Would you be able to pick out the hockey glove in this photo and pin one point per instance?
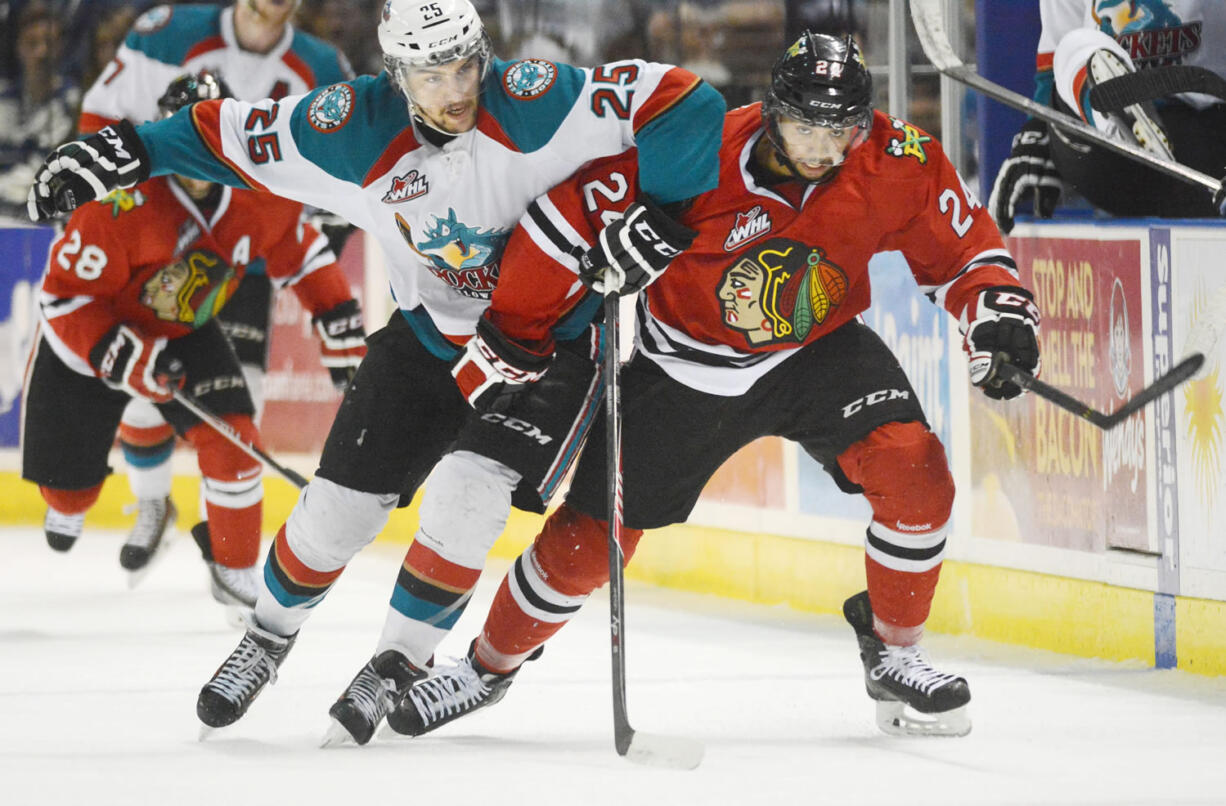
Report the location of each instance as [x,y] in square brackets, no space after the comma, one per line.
[88,169]
[633,250]
[492,370]
[1029,171]
[1002,319]
[127,361]
[342,341]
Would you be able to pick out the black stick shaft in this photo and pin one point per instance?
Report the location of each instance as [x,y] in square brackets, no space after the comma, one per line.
[226,430]
[1178,374]
[623,734]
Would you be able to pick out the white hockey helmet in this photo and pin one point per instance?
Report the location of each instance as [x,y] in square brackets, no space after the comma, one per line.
[425,33]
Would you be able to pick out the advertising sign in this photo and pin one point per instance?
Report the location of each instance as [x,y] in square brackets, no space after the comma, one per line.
[1043,475]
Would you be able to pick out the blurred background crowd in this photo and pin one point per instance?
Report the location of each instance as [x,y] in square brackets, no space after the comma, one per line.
[52,50]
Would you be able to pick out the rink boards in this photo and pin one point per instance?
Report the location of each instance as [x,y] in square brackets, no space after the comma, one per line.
[1063,537]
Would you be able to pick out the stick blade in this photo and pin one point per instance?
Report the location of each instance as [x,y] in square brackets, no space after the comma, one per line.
[665,752]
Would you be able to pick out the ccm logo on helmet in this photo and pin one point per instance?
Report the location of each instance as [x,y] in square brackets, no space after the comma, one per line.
[442,42]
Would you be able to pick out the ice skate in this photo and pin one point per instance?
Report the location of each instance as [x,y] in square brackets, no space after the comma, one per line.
[1141,119]
[236,588]
[62,530]
[449,694]
[239,680]
[358,711]
[146,542]
[913,699]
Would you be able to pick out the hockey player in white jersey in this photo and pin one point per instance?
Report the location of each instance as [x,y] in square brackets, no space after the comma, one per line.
[440,183]
[1149,72]
[259,54]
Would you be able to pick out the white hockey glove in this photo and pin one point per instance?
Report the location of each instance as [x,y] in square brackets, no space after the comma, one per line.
[88,169]
[1029,171]
[492,370]
[1002,319]
[127,361]
[342,341]
[634,250]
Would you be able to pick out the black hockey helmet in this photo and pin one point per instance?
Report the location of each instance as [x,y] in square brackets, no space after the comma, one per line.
[821,80]
[189,88]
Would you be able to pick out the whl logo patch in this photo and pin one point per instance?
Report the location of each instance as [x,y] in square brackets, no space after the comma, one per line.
[755,223]
[404,188]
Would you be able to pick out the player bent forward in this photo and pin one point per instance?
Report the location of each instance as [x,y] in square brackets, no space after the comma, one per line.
[128,310]
[752,332]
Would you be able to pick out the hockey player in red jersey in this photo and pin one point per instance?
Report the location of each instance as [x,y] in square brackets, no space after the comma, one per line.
[253,47]
[752,332]
[129,304]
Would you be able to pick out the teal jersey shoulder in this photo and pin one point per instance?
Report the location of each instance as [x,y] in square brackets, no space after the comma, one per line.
[679,148]
[530,98]
[344,128]
[168,33]
[324,61]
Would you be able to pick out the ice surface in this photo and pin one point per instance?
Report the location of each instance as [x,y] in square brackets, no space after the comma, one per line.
[98,687]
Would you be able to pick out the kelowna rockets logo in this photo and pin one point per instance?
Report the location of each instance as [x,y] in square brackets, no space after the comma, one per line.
[463,257]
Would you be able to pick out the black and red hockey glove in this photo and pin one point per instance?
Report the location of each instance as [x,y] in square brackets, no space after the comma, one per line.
[1002,319]
[342,341]
[492,370]
[127,361]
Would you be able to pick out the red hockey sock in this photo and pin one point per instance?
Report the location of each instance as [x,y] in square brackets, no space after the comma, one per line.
[906,479]
[547,585]
[233,493]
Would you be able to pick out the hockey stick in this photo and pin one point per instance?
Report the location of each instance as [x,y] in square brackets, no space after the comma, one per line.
[1178,374]
[1137,87]
[930,25]
[226,430]
[642,748]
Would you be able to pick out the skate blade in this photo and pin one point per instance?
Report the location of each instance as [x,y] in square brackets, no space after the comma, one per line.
[337,736]
[897,719]
[206,732]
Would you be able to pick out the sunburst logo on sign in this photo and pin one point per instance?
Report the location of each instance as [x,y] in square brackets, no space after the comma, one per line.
[1205,415]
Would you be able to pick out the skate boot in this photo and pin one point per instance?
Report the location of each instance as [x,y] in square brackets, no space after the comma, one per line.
[62,530]
[240,679]
[913,699]
[1140,119]
[153,517]
[357,713]
[449,694]
[233,587]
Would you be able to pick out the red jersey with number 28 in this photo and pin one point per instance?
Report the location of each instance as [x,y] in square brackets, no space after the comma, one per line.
[150,258]
[773,267]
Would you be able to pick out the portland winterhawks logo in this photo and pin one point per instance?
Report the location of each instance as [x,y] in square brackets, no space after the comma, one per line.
[331,108]
[530,78]
[780,292]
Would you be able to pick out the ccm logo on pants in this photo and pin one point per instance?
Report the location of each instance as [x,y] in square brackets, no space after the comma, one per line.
[523,426]
[873,399]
